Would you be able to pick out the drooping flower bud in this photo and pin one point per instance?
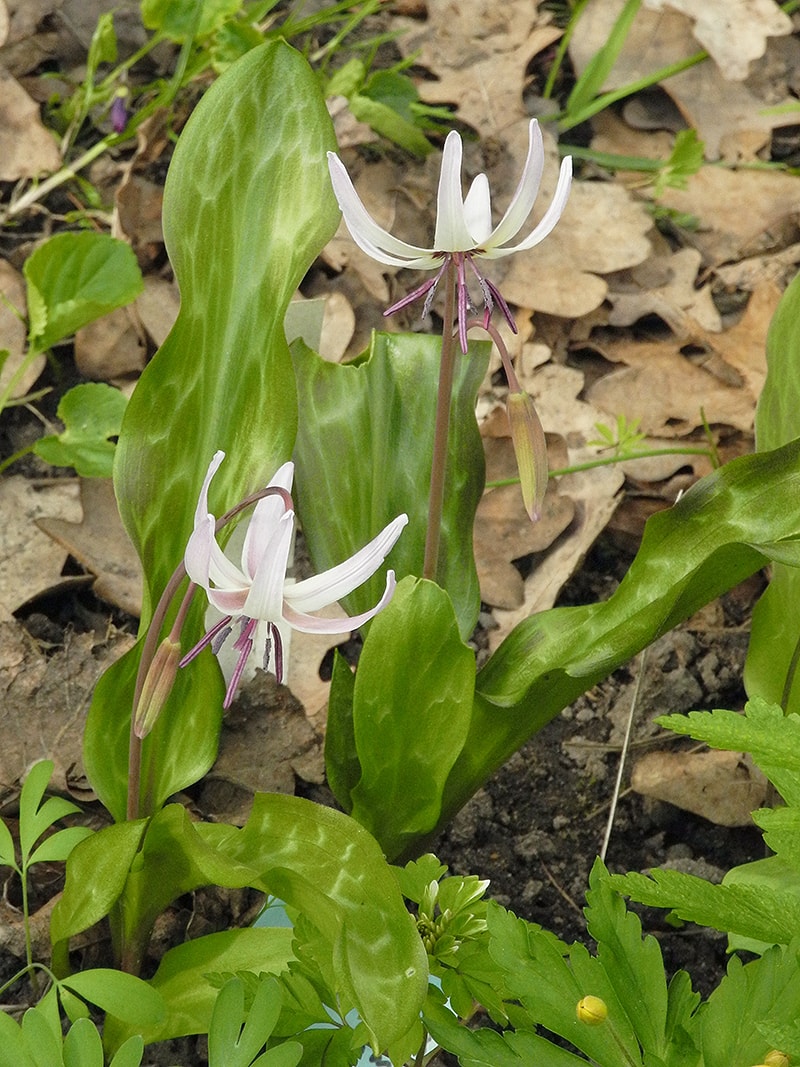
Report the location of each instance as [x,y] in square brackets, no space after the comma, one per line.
[157,686]
[530,448]
[119,111]
[592,1011]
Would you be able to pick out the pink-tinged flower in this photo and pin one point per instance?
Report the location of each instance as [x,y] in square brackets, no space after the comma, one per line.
[256,597]
[464,230]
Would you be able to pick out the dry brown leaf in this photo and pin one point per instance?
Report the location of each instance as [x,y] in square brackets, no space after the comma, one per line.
[44,700]
[730,117]
[158,307]
[110,347]
[27,149]
[743,346]
[100,544]
[30,564]
[733,32]
[723,787]
[138,204]
[5,23]
[742,213]
[479,52]
[665,391]
[560,276]
[664,285]
[338,327]
[749,273]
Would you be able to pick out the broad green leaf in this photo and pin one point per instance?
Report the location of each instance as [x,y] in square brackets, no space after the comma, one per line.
[412,706]
[97,870]
[82,1045]
[713,538]
[329,868]
[91,413]
[178,19]
[73,279]
[116,993]
[247,207]
[376,417]
[776,619]
[181,980]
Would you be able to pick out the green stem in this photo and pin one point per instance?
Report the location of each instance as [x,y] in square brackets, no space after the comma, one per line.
[605,461]
[441,430]
[16,455]
[563,44]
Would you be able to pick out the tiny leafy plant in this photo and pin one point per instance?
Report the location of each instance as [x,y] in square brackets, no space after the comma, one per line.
[381,462]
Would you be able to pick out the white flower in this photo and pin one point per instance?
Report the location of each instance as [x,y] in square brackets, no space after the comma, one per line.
[464,230]
[257,596]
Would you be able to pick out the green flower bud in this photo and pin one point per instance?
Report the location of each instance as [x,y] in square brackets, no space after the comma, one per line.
[157,686]
[592,1011]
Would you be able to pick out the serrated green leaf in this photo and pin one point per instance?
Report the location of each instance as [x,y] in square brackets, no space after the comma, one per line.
[772,738]
[417,875]
[746,910]
[378,419]
[766,990]
[247,207]
[411,713]
[91,413]
[75,278]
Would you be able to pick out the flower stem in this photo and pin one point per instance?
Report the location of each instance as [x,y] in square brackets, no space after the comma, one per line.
[441,431]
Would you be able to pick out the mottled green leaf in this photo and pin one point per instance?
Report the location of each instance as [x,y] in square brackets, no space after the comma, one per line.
[247,207]
[376,417]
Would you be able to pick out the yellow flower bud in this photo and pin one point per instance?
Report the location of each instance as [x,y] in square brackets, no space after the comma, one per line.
[776,1059]
[592,1011]
[530,448]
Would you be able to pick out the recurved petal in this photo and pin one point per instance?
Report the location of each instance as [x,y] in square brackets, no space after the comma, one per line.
[205,561]
[451,234]
[526,192]
[312,624]
[367,234]
[201,511]
[314,593]
[264,520]
[265,599]
[548,220]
